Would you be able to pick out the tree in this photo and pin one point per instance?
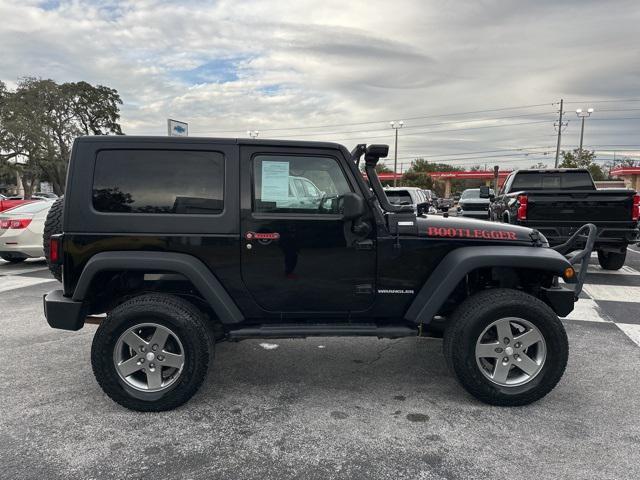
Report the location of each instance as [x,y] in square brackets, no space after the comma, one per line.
[586,160]
[418,176]
[539,165]
[40,119]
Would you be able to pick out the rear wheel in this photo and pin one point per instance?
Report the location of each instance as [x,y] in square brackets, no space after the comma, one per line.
[53,226]
[152,352]
[12,258]
[506,347]
[612,260]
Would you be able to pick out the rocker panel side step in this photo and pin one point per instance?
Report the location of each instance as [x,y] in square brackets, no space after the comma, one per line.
[322,330]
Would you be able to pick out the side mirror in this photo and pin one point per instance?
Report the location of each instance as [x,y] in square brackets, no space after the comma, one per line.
[352,206]
[485,192]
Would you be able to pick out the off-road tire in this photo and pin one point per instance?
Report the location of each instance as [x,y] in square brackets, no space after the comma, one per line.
[53,226]
[612,260]
[474,315]
[13,258]
[181,317]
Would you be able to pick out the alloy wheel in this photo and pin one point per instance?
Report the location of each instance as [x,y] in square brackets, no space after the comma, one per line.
[510,352]
[149,357]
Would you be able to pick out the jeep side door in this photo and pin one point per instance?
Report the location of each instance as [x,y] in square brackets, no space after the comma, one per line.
[296,257]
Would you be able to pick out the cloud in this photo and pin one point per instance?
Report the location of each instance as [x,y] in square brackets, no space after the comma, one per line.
[238,65]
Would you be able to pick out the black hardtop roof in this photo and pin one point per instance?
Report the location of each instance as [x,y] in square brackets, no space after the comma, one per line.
[215,140]
[551,170]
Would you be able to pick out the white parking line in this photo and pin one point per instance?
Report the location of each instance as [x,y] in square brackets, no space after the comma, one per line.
[626,270]
[11,283]
[632,331]
[16,271]
[587,310]
[613,293]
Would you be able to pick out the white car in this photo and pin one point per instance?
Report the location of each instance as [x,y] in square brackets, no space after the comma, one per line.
[413,196]
[21,231]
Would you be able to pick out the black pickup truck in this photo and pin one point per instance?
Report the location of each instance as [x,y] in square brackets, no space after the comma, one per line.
[557,202]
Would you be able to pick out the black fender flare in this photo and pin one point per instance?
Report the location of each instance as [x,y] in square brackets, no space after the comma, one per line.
[458,263]
[187,265]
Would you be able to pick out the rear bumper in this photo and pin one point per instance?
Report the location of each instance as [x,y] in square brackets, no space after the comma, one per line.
[62,312]
[613,236]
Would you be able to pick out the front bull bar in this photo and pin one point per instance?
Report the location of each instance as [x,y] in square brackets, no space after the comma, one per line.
[568,249]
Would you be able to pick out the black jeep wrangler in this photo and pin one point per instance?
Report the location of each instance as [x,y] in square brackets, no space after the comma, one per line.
[186,242]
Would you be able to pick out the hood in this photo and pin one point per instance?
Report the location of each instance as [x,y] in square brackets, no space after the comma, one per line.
[476,230]
[474,201]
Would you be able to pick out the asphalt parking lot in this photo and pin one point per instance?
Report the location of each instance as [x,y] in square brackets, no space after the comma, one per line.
[322,408]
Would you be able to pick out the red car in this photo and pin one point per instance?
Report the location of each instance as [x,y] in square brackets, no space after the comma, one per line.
[6,204]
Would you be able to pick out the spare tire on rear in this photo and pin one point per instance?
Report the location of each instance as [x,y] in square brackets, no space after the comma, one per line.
[53,226]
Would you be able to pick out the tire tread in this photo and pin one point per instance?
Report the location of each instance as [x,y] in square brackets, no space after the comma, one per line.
[190,320]
[463,320]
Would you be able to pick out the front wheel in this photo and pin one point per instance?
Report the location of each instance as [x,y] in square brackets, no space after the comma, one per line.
[152,352]
[612,260]
[506,347]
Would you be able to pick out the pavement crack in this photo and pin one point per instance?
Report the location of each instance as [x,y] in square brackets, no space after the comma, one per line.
[380,352]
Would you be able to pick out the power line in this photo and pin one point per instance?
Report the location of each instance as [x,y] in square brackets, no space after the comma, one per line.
[607,101]
[449,130]
[440,155]
[488,119]
[382,121]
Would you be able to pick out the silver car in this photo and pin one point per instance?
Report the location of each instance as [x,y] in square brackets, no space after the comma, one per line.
[471,205]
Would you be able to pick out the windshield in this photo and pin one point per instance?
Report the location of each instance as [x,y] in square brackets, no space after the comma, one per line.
[573,180]
[399,197]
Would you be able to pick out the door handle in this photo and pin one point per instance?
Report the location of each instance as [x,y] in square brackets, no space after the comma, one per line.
[262,236]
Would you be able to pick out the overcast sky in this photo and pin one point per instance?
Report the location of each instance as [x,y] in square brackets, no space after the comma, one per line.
[349,67]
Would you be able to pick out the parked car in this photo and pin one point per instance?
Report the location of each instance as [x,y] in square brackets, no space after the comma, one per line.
[412,196]
[472,205]
[7,202]
[557,202]
[207,212]
[430,196]
[444,204]
[21,231]
[44,195]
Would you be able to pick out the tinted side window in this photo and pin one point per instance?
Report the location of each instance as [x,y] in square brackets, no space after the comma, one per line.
[159,181]
[297,184]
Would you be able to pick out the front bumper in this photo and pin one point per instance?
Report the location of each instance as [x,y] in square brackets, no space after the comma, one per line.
[483,214]
[62,312]
[570,249]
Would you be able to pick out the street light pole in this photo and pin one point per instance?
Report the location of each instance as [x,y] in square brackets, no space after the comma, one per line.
[396,126]
[582,114]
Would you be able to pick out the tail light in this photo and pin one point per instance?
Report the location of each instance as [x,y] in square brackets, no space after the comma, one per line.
[16,223]
[635,210]
[4,224]
[522,209]
[55,247]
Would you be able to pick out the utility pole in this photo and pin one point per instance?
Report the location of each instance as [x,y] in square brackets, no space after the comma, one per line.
[559,132]
[396,126]
[582,114]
